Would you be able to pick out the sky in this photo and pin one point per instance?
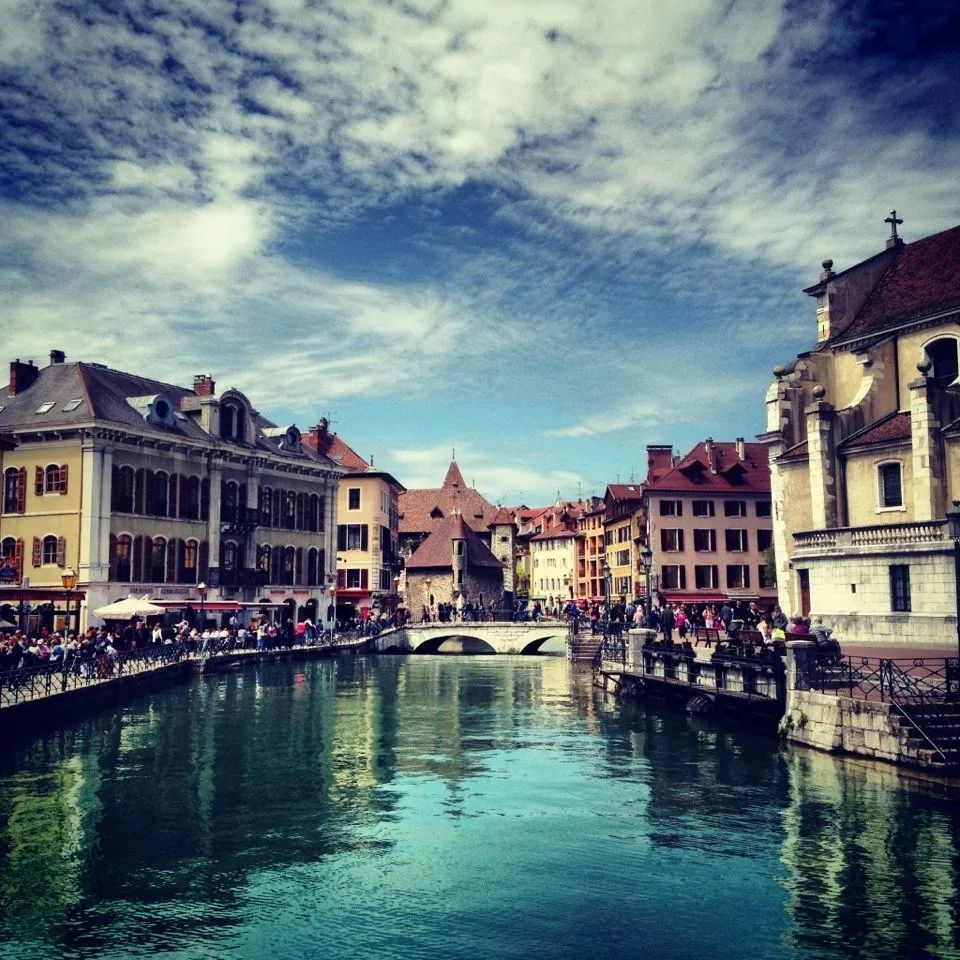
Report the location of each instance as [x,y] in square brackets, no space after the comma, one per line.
[542,235]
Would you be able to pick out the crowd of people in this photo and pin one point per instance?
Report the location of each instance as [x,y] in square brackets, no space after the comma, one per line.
[680,622]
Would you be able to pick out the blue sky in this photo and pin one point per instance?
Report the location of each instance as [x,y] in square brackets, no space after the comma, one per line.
[545,234]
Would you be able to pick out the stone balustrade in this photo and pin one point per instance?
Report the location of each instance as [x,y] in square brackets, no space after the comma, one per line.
[841,538]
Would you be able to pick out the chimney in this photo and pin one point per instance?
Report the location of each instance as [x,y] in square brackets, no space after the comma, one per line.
[321,435]
[741,449]
[22,376]
[57,356]
[204,385]
[659,460]
[708,449]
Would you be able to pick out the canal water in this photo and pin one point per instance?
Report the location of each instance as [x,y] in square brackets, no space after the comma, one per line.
[457,807]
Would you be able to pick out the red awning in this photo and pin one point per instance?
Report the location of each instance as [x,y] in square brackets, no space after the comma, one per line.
[694,598]
[195,602]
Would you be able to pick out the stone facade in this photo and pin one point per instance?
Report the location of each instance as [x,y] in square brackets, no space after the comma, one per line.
[863,434]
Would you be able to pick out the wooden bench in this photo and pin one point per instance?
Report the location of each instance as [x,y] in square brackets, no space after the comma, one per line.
[708,635]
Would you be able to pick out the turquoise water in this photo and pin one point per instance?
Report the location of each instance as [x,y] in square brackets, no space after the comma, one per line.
[450,807]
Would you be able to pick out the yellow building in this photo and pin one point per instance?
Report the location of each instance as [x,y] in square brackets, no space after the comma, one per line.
[368,560]
[864,438]
[624,521]
[150,488]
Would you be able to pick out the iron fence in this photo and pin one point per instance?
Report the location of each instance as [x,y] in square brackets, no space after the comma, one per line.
[42,680]
[890,680]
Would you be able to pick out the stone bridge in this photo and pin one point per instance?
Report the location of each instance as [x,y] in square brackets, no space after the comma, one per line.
[495,637]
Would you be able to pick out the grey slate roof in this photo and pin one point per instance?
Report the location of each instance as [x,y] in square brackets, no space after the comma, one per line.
[105,396]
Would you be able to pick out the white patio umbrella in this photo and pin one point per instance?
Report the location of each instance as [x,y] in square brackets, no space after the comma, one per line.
[125,609]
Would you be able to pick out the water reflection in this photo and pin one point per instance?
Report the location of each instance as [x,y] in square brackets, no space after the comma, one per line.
[345,807]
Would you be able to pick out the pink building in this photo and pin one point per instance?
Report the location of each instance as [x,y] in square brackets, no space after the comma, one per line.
[709,522]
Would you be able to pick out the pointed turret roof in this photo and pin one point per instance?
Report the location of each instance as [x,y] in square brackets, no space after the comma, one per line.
[436,551]
[454,477]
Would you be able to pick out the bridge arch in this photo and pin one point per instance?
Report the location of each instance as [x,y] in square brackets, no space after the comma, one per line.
[454,643]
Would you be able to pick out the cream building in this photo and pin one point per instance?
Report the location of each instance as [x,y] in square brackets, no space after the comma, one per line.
[368,560]
[864,439]
[624,526]
[146,487]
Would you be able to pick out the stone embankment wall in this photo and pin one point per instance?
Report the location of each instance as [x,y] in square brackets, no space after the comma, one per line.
[840,724]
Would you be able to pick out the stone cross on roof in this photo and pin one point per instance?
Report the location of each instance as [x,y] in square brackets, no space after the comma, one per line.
[894,221]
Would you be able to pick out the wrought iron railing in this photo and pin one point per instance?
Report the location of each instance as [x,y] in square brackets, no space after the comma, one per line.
[42,680]
[921,690]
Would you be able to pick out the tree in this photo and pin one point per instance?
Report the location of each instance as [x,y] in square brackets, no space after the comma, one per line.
[770,558]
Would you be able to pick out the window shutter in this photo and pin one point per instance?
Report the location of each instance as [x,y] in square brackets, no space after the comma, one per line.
[363,537]
[61,551]
[172,553]
[22,490]
[341,579]
[38,481]
[37,551]
[298,567]
[63,478]
[113,556]
[341,536]
[683,576]
[18,559]
[364,583]
[746,575]
[680,540]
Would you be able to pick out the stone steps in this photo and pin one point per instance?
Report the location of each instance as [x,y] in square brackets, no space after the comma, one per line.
[584,646]
[941,724]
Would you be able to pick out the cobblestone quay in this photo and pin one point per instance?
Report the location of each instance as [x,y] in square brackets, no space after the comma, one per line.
[457,807]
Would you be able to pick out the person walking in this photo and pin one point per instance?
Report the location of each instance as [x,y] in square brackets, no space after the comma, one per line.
[667,623]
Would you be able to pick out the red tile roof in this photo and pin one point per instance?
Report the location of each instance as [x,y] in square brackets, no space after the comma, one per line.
[888,430]
[560,532]
[416,506]
[923,279]
[503,516]
[436,552]
[733,475]
[625,491]
[338,451]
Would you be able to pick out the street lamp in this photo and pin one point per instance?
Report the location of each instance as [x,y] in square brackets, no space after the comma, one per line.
[646,554]
[953,529]
[202,590]
[69,580]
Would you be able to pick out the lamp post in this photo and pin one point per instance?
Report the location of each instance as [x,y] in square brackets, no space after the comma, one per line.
[69,580]
[202,591]
[646,554]
[953,529]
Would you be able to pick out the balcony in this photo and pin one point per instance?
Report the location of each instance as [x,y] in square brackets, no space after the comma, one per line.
[842,539]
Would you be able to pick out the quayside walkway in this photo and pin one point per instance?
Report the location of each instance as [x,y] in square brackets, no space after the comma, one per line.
[29,694]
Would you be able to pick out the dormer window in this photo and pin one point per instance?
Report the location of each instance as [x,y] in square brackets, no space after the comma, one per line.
[436,513]
[232,421]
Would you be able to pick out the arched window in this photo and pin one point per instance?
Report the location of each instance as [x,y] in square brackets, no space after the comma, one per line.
[263,560]
[942,354]
[121,498]
[313,556]
[276,565]
[277,508]
[11,556]
[228,556]
[158,560]
[301,511]
[121,558]
[173,560]
[55,478]
[290,510]
[49,550]
[161,493]
[266,507]
[229,500]
[232,421]
[289,566]
[14,489]
[313,513]
[190,561]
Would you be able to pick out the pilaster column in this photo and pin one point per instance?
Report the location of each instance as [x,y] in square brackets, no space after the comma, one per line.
[215,475]
[822,463]
[97,480]
[928,474]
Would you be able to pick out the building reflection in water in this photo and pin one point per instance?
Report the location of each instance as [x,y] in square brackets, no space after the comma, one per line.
[200,797]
